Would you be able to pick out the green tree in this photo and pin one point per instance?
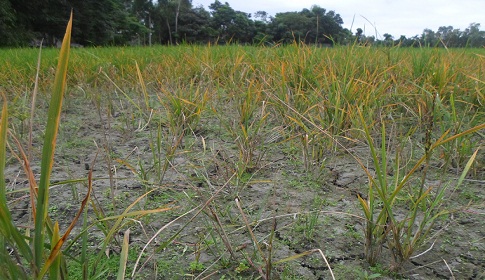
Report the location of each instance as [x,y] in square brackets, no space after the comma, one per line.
[194,26]
[231,25]
[290,26]
[98,22]
[359,34]
[329,25]
[162,18]
[102,22]
[167,19]
[42,19]
[262,16]
[474,37]
[8,20]
[143,11]
[429,38]
[401,41]
[388,39]
[262,36]
[310,26]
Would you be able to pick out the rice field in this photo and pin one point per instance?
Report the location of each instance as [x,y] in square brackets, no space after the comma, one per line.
[239,162]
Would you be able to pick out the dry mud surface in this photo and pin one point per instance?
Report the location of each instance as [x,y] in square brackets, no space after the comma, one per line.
[313,208]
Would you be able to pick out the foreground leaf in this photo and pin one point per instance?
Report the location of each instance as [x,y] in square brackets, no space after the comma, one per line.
[48,148]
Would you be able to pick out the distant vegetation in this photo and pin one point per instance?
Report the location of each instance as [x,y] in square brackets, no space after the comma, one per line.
[147,22]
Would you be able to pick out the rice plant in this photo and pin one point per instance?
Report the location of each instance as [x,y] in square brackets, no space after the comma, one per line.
[39,262]
[424,203]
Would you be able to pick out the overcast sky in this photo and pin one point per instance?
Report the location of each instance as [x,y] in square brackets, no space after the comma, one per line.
[396,17]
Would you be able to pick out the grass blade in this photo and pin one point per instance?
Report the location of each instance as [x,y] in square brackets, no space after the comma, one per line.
[3,147]
[143,87]
[124,255]
[467,168]
[54,269]
[49,145]
[8,232]
[34,97]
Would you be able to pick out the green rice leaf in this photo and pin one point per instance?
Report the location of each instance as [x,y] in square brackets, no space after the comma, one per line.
[124,255]
[8,231]
[54,269]
[49,145]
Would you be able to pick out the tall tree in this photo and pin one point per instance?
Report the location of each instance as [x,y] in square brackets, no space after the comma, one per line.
[168,13]
[8,23]
[194,26]
[102,22]
[314,25]
[359,34]
[143,11]
[231,25]
[181,7]
[429,38]
[290,26]
[474,37]
[262,16]
[44,19]
[261,25]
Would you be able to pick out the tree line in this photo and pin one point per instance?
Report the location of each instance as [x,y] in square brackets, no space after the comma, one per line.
[446,36]
[147,22]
